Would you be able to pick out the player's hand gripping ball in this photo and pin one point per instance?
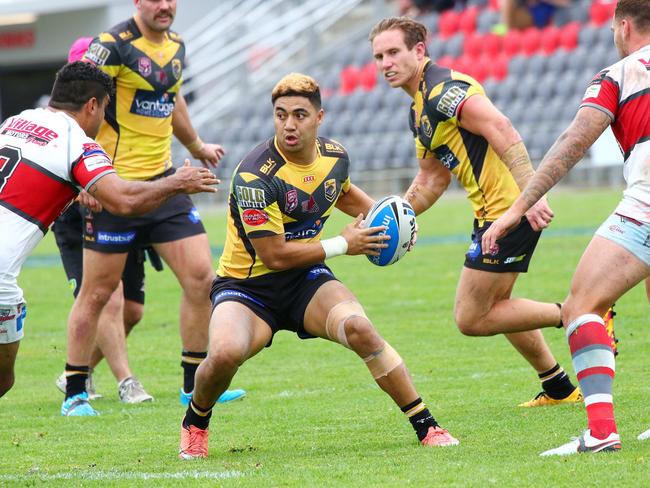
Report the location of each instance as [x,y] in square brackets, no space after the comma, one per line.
[398,216]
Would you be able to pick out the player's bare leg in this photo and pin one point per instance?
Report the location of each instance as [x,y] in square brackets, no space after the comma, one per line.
[484,307]
[335,314]
[111,337]
[593,288]
[102,274]
[236,334]
[8,354]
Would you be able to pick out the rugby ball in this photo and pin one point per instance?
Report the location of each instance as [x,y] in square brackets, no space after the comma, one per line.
[398,216]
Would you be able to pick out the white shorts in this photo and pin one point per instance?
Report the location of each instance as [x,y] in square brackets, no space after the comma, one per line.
[629,233]
[12,320]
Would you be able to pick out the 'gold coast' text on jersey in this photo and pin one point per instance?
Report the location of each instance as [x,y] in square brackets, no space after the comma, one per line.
[270,195]
[138,125]
[434,121]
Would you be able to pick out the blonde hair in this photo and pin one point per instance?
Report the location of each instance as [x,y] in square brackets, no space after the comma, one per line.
[297,85]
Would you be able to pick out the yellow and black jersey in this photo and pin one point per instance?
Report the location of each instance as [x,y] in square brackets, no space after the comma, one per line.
[434,122]
[270,195]
[138,125]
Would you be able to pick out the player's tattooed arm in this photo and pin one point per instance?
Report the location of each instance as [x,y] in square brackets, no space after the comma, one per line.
[569,148]
[428,185]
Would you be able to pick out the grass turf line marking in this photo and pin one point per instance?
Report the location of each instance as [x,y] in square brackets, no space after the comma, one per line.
[121,475]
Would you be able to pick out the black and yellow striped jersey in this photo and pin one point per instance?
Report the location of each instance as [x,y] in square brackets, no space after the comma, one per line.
[490,187]
[137,129]
[270,195]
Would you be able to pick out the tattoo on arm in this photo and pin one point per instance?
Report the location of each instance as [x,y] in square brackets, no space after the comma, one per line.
[567,151]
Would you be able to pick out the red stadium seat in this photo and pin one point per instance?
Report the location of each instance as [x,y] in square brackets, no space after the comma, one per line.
[601,12]
[463,65]
[478,68]
[467,20]
[350,76]
[550,39]
[512,42]
[446,61]
[473,45]
[368,76]
[498,67]
[492,44]
[448,24]
[531,40]
[494,4]
[569,36]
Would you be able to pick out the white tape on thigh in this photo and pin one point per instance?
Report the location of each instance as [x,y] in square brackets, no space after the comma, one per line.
[12,319]
[383,361]
[336,318]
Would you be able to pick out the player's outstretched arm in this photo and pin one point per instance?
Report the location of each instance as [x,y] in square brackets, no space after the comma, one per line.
[354,202]
[128,198]
[208,154]
[587,126]
[279,254]
[429,184]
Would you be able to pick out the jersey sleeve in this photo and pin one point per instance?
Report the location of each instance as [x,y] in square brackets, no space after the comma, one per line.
[258,207]
[602,94]
[103,52]
[445,104]
[93,164]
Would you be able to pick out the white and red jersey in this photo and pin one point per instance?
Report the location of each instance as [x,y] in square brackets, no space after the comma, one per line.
[45,160]
[622,91]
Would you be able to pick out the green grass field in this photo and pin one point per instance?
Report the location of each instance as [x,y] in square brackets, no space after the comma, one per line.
[313,416]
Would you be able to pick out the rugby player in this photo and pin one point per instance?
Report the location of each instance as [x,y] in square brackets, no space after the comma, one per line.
[458,131]
[272,274]
[117,319]
[146,59]
[618,256]
[47,156]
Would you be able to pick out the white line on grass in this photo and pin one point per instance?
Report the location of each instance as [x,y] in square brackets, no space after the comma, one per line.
[121,475]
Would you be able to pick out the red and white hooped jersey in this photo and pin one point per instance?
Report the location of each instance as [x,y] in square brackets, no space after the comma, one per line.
[45,160]
[622,91]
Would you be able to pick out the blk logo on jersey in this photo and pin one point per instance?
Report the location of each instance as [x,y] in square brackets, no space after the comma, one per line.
[144,66]
[151,104]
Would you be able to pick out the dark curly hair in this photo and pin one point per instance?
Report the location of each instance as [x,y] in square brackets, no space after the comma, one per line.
[78,82]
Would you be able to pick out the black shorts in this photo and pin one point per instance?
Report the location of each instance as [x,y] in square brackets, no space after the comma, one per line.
[175,219]
[68,236]
[280,299]
[515,249]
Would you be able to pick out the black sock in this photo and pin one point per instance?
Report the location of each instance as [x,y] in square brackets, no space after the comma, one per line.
[556,383]
[190,362]
[420,417]
[75,379]
[197,417]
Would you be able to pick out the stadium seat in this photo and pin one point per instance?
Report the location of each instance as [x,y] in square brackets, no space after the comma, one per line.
[605,35]
[477,68]
[492,44]
[530,41]
[536,65]
[430,21]
[349,79]
[601,12]
[473,45]
[368,76]
[518,66]
[467,20]
[498,67]
[448,24]
[446,61]
[486,20]
[453,46]
[569,36]
[588,36]
[512,42]
[550,39]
